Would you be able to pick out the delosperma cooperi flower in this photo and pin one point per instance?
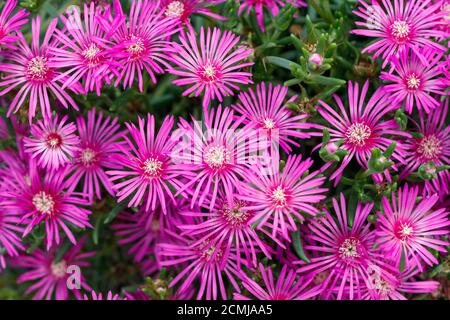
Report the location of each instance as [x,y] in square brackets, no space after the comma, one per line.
[183,9]
[10,24]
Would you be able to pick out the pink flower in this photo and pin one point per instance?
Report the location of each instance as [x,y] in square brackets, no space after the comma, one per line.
[147,168]
[409,229]
[415,81]
[83,50]
[273,6]
[9,26]
[316,58]
[31,70]
[280,197]
[51,276]
[204,262]
[141,40]
[213,66]
[217,157]
[343,252]
[45,198]
[229,226]
[406,24]
[287,287]
[53,142]
[183,9]
[267,111]
[433,146]
[96,152]
[363,129]
[99,296]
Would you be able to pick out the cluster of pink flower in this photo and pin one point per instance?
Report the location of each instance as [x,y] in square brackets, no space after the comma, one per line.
[199,202]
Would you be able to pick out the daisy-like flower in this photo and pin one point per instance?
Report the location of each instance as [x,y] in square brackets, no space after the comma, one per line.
[344,253]
[204,262]
[279,198]
[399,26]
[266,110]
[141,40]
[273,6]
[408,229]
[31,70]
[287,287]
[147,168]
[9,26]
[83,49]
[211,65]
[414,81]
[45,198]
[96,152]
[218,155]
[394,285]
[99,296]
[363,129]
[53,142]
[230,226]
[51,276]
[433,146]
[183,9]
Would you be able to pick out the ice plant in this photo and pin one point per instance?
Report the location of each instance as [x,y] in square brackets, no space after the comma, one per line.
[433,146]
[266,110]
[409,229]
[141,40]
[100,137]
[53,142]
[211,65]
[204,262]
[414,82]
[405,24]
[51,275]
[361,126]
[45,198]
[83,49]
[288,286]
[99,296]
[279,198]
[218,155]
[147,171]
[10,25]
[183,9]
[228,225]
[30,70]
[344,251]
[273,6]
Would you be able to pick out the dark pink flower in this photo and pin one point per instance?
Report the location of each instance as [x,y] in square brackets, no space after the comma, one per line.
[10,26]
[183,9]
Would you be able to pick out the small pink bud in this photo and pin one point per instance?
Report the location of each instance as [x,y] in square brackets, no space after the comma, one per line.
[316,59]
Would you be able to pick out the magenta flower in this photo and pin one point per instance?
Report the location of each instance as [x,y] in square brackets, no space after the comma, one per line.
[183,9]
[31,70]
[53,142]
[267,111]
[45,198]
[406,24]
[147,168]
[433,146]
[279,198]
[51,277]
[273,6]
[408,229]
[141,40]
[218,156]
[227,226]
[414,81]
[205,262]
[83,50]
[363,129]
[96,152]
[10,26]
[211,67]
[99,296]
[344,253]
[287,287]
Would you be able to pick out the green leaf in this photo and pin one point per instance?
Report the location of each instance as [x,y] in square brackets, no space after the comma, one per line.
[281,62]
[297,242]
[115,211]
